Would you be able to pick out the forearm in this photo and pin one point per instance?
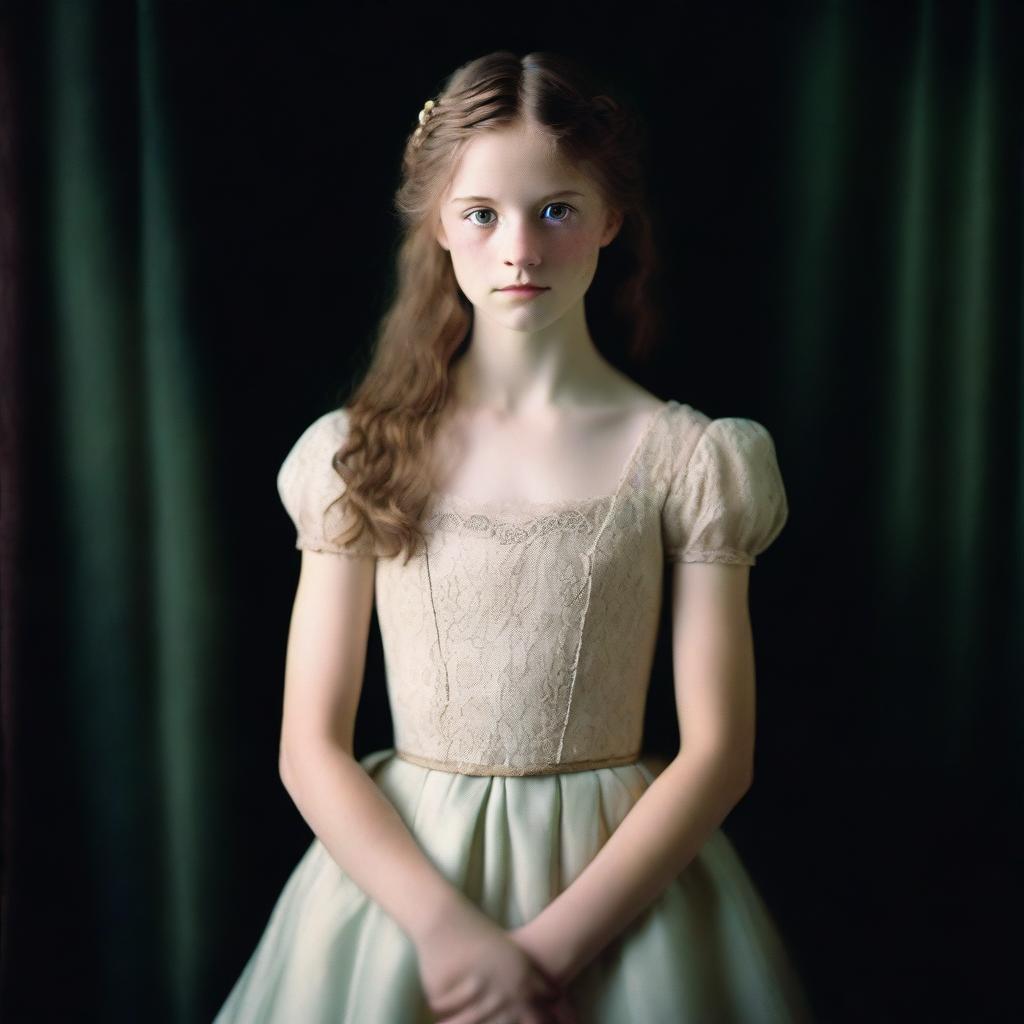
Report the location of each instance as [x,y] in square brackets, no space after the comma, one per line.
[364,833]
[659,836]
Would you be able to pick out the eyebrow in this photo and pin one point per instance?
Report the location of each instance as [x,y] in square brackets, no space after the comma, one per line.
[488,199]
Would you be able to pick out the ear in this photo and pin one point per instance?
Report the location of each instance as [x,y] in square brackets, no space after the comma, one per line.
[613,221]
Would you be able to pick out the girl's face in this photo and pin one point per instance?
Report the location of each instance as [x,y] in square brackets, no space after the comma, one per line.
[515,212]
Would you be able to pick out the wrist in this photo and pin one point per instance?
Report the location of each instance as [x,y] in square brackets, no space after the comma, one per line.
[435,911]
[549,950]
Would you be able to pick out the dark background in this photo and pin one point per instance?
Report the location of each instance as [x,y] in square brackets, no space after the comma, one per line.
[197,242]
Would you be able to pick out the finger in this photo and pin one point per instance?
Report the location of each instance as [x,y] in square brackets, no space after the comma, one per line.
[482,1011]
[460,997]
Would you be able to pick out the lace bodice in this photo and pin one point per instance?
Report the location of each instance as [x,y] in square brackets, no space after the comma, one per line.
[520,639]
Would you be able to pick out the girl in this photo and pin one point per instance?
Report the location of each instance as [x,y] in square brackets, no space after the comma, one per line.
[509,499]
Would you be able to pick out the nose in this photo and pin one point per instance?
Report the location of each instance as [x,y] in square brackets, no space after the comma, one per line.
[522,245]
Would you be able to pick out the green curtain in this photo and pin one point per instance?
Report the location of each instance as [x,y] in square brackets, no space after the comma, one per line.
[130,552]
[201,195]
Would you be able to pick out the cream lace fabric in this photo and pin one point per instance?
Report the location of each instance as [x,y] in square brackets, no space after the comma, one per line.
[521,640]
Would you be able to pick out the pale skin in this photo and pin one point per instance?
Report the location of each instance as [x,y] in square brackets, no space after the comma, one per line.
[533,384]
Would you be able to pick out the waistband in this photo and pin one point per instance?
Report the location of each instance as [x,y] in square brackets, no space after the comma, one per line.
[469,768]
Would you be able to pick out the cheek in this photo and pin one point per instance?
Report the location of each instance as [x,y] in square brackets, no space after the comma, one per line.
[576,248]
[468,250]
[576,257]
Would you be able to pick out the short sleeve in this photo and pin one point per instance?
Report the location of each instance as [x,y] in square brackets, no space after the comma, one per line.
[309,488]
[728,503]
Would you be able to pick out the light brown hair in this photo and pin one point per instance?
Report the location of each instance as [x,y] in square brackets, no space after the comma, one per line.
[394,413]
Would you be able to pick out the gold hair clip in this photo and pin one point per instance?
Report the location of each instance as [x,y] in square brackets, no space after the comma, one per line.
[426,112]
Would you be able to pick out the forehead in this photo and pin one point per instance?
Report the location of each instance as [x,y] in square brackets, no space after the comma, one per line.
[509,160]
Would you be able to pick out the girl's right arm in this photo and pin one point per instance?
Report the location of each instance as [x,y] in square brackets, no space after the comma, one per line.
[344,807]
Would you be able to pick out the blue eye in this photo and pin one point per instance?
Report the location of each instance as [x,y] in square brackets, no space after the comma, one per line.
[558,220]
[565,206]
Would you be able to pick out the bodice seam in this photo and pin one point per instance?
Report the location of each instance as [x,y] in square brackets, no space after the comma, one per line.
[616,494]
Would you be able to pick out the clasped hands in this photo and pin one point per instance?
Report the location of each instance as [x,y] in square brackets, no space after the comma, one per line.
[475,972]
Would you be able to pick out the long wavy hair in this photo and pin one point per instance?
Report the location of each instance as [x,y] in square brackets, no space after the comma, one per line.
[394,413]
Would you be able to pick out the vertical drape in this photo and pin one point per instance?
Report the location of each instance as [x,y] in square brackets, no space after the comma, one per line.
[128,553]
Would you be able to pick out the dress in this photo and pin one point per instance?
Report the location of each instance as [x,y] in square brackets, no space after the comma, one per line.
[518,713]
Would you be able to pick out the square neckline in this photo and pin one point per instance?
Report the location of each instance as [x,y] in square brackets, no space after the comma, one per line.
[471,505]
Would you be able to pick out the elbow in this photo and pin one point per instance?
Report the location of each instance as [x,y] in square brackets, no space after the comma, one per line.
[741,774]
[736,775]
[288,766]
[737,763]
[295,752]
[284,769]
[727,774]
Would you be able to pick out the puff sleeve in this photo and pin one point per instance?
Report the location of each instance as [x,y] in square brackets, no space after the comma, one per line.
[308,486]
[728,503]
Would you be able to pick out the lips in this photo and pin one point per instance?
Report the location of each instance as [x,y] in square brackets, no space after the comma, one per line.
[524,288]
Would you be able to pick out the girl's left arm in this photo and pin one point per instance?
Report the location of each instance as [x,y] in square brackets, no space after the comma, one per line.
[713,664]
